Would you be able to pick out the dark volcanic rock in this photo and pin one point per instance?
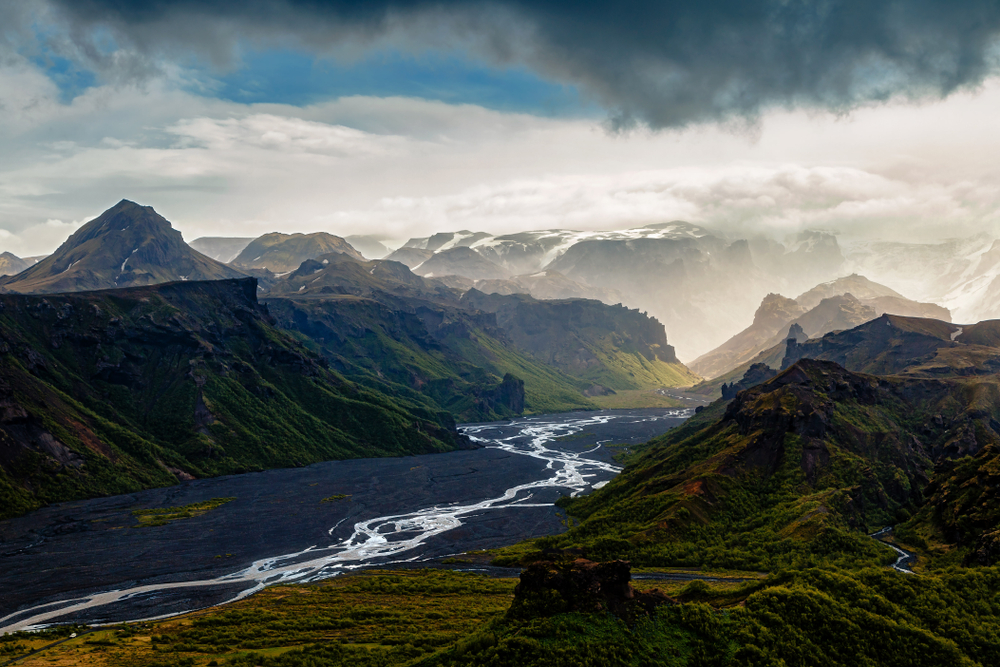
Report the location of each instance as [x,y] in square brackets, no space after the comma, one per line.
[506,396]
[550,587]
[754,376]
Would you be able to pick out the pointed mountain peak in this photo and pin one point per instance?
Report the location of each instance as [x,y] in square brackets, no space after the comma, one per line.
[126,245]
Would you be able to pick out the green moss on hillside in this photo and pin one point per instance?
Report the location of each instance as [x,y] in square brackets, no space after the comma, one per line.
[111,392]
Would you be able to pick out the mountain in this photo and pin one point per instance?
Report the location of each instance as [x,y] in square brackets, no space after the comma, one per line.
[545,285]
[702,286]
[380,323]
[447,240]
[857,286]
[461,261]
[280,253]
[11,264]
[908,346]
[809,461]
[369,246]
[384,326]
[411,257]
[838,304]
[125,246]
[113,391]
[221,248]
[961,274]
[772,317]
[611,347]
[680,279]
[339,273]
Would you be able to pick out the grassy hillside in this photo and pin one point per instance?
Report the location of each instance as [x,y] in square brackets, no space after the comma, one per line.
[793,471]
[445,358]
[110,392]
[383,325]
[609,346]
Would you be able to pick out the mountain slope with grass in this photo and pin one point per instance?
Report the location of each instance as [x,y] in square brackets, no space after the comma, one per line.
[380,323]
[614,347]
[793,471]
[114,391]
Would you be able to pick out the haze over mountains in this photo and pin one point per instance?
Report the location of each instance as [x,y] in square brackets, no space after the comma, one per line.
[127,329]
[838,304]
[704,287]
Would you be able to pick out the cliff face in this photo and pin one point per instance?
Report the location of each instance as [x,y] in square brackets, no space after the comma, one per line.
[613,346]
[109,392]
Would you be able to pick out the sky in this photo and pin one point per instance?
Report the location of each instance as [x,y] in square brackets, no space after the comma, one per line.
[401,118]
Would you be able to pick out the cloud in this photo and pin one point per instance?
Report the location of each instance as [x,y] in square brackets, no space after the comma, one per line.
[405,167]
[665,64]
[739,200]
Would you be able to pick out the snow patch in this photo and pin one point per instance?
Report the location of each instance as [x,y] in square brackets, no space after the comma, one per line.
[122,270]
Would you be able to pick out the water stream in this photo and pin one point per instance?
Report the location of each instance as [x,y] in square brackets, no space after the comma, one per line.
[392,538]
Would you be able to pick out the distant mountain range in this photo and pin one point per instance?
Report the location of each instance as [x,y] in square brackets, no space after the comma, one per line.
[698,284]
[962,274]
[838,304]
[707,289]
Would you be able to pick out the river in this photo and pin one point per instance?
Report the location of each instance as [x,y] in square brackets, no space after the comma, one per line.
[90,562]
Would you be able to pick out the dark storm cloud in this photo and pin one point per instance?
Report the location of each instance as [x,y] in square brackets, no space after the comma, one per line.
[665,64]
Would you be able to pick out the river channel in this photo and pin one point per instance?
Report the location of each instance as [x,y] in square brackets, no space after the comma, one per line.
[91,562]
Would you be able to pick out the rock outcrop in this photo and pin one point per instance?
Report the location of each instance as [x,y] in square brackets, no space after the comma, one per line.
[581,585]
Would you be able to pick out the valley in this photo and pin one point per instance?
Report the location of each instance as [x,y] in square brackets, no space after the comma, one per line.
[285,421]
[63,563]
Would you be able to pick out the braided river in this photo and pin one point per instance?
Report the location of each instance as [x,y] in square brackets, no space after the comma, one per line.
[91,562]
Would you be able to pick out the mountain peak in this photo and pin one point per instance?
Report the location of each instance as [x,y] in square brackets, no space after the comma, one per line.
[282,253]
[127,245]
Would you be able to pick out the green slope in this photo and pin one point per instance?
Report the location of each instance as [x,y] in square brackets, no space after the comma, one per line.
[445,358]
[109,392]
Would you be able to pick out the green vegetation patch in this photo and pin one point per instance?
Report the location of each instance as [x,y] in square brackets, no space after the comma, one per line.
[373,618]
[164,515]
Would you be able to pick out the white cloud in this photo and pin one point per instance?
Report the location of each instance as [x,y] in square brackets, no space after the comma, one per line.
[403,167]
